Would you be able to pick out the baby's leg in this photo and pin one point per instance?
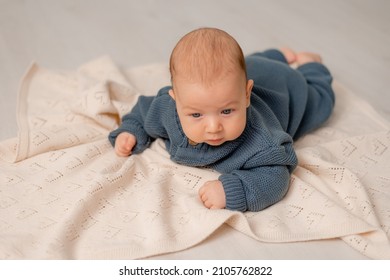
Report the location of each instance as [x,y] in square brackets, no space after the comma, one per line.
[320,95]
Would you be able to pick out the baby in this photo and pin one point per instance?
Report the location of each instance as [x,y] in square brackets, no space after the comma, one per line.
[236,115]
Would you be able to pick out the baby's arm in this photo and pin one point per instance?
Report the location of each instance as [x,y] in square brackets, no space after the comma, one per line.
[255,189]
[212,195]
[124,144]
[132,135]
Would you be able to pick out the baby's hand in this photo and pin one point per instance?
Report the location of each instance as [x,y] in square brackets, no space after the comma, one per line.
[212,195]
[124,144]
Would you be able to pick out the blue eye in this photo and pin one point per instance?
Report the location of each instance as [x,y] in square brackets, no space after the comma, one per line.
[227,111]
[195,115]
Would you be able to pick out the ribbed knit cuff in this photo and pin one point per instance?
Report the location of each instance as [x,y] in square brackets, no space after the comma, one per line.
[235,195]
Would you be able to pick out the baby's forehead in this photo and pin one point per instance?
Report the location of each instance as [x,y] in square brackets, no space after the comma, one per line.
[207,75]
[222,91]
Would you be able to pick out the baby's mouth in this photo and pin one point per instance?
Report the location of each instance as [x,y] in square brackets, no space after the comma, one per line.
[215,142]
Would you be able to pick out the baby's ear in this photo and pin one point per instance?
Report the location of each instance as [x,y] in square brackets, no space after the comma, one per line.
[172,94]
[249,86]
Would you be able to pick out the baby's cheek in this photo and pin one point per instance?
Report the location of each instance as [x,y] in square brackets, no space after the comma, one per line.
[236,129]
[193,132]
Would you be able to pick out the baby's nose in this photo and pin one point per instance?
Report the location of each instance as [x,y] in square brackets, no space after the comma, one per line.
[214,125]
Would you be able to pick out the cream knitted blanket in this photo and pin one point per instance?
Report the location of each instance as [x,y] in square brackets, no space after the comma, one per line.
[64,194]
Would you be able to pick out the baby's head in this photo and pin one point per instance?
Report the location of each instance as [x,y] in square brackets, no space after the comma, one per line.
[206,54]
[210,86]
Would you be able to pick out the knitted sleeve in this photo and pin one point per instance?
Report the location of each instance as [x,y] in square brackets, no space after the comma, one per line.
[255,189]
[133,123]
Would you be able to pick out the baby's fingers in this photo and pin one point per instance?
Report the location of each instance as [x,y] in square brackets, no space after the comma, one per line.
[122,151]
[208,204]
[124,144]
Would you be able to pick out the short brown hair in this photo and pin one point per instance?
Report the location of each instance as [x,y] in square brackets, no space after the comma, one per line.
[204,54]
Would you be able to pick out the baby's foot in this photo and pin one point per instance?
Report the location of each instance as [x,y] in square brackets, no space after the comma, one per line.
[289,54]
[307,57]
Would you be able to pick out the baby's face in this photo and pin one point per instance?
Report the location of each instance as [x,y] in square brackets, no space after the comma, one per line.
[215,113]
